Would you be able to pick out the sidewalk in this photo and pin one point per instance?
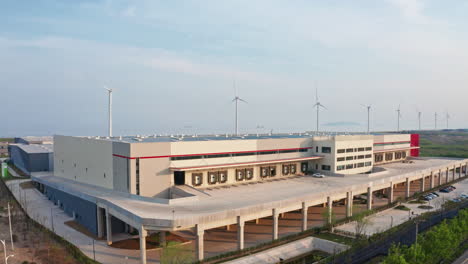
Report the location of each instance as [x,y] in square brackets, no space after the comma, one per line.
[41,209]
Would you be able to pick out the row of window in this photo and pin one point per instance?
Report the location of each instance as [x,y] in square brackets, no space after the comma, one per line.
[221,176]
[352,166]
[392,143]
[368,156]
[252,153]
[348,150]
[389,156]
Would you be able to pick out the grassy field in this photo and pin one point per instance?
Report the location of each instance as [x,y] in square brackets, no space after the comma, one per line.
[445,143]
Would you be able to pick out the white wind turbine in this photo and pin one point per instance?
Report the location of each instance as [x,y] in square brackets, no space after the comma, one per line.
[447,117]
[435,120]
[419,118]
[368,116]
[398,118]
[109,110]
[318,105]
[236,100]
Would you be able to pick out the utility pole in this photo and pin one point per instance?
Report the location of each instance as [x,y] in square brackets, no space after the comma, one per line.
[51,219]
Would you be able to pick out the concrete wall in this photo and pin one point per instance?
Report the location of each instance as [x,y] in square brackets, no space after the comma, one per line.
[84,160]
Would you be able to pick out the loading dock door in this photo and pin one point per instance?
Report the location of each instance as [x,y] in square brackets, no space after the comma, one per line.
[179,177]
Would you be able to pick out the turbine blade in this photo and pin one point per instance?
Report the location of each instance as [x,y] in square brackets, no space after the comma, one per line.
[243,100]
[322,106]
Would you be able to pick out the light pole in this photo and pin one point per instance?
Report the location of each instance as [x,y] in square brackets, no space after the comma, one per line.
[6,259]
[51,219]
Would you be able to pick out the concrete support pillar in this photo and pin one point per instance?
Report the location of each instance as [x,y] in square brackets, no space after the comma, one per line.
[423,182]
[460,171]
[143,234]
[228,228]
[407,195]
[275,224]
[431,180]
[454,172]
[257,221]
[100,222]
[349,204]
[330,209]
[369,198]
[240,233]
[162,238]
[440,177]
[282,215]
[108,227]
[199,248]
[304,216]
[390,193]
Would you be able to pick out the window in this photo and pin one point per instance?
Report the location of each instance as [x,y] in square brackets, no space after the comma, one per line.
[304,167]
[137,180]
[292,168]
[403,154]
[267,152]
[285,169]
[264,172]
[186,157]
[86,170]
[244,154]
[326,167]
[288,151]
[340,159]
[368,148]
[212,177]
[303,150]
[360,156]
[360,149]
[378,157]
[74,164]
[104,175]
[222,176]
[217,156]
[389,156]
[349,158]
[340,167]
[240,174]
[368,156]
[349,166]
[272,171]
[360,165]
[249,173]
[349,150]
[367,164]
[316,149]
[397,155]
[197,179]
[341,151]
[326,150]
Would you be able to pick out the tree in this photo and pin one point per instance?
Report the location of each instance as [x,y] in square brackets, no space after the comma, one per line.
[362,222]
[395,256]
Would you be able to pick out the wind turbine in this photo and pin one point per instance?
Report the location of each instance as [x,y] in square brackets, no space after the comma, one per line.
[398,118]
[368,115]
[419,118]
[447,117]
[435,120]
[318,105]
[109,109]
[236,100]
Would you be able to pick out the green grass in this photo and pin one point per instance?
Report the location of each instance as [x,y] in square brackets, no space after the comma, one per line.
[444,144]
[11,140]
[402,207]
[335,238]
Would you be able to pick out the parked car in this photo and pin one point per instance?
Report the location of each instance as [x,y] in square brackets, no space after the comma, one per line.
[427,198]
[456,200]
[436,194]
[453,187]
[444,190]
[464,196]
[318,175]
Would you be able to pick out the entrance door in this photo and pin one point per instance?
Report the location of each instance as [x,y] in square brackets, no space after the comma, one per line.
[179,177]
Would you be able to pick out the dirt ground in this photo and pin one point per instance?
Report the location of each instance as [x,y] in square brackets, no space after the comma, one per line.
[32,245]
[151,242]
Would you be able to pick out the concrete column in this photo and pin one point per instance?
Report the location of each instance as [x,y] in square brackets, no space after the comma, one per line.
[390,194]
[143,234]
[257,221]
[447,176]
[228,228]
[423,182]
[349,204]
[304,216]
[431,180]
[460,171]
[440,177]
[240,233]
[100,222]
[199,249]
[275,224]
[330,209]
[454,172]
[162,238]
[407,187]
[369,198]
[108,227]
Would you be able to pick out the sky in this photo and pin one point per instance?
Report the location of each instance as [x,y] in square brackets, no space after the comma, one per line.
[173,65]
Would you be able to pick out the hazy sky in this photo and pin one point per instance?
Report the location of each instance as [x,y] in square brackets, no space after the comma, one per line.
[172,65]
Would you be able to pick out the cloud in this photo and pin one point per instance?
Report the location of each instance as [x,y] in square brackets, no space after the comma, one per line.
[412,10]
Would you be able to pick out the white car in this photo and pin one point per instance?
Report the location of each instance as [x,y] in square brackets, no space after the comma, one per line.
[318,175]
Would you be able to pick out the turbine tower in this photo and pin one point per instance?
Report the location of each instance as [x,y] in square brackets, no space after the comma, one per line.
[398,118]
[318,105]
[447,117]
[236,100]
[109,109]
[419,118]
[368,116]
[435,120]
